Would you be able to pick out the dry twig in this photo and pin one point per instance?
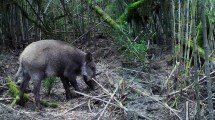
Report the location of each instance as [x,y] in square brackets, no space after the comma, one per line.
[5,99]
[89,105]
[112,95]
[71,109]
[106,91]
[187,110]
[163,104]
[93,97]
[165,84]
[186,88]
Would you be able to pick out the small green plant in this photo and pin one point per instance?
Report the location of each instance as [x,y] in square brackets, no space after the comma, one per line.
[137,51]
[48,84]
[133,47]
[14,90]
[132,51]
[49,104]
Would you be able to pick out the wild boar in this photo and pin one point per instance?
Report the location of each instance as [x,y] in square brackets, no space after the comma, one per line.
[46,58]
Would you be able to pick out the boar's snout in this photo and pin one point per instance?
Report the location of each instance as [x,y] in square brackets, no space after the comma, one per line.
[89,67]
[89,70]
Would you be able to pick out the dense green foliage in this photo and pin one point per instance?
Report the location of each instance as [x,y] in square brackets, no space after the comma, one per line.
[48,84]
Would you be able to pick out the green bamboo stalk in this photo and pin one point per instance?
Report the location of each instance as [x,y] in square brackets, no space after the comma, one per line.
[207,69]
[196,77]
[182,34]
[187,44]
[179,29]
[173,26]
[106,17]
[201,52]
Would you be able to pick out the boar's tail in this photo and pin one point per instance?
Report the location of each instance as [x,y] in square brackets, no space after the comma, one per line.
[18,72]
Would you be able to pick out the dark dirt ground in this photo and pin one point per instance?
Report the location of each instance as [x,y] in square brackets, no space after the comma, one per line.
[139,91]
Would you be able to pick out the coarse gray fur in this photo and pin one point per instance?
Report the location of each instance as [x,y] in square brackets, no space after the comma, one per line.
[46,58]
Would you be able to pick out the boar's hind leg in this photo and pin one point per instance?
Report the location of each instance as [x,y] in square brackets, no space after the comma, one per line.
[23,85]
[66,86]
[37,78]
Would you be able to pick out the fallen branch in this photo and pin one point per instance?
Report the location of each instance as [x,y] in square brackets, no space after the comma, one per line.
[112,95]
[186,88]
[93,97]
[5,99]
[71,109]
[88,104]
[187,110]
[4,86]
[106,91]
[165,84]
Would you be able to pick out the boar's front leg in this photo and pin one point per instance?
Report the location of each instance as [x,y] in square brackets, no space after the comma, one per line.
[66,86]
[70,74]
[23,85]
[73,82]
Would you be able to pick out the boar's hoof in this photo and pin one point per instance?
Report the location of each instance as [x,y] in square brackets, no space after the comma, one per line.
[21,103]
[68,97]
[91,84]
[92,87]
[76,95]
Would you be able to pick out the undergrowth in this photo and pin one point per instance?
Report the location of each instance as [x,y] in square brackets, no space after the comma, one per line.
[133,49]
[48,84]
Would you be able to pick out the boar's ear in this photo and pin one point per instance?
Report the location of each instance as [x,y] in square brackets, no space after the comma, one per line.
[89,57]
